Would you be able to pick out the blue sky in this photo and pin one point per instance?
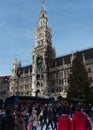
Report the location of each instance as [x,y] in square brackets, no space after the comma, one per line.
[71,22]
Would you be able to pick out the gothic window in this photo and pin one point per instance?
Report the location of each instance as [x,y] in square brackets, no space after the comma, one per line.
[56,83]
[42,15]
[25,87]
[38,83]
[52,89]
[61,73]
[42,77]
[57,90]
[27,93]
[59,82]
[52,83]
[62,82]
[38,77]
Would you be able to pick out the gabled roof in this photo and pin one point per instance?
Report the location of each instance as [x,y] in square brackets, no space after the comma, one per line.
[5,77]
[66,59]
[26,68]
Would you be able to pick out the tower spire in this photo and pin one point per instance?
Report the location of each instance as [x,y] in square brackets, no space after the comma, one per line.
[43,31]
[43,20]
[42,2]
[43,7]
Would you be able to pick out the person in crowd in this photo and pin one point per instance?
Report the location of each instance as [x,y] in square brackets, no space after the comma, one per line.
[41,118]
[35,122]
[34,111]
[32,122]
[64,122]
[19,122]
[45,114]
[55,117]
[50,117]
[7,121]
[80,120]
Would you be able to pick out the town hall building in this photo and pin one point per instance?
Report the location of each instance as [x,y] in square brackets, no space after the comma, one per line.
[48,74]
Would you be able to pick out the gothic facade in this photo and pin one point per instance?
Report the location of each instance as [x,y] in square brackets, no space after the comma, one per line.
[48,73]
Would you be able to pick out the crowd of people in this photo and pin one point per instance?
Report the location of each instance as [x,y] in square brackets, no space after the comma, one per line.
[60,116]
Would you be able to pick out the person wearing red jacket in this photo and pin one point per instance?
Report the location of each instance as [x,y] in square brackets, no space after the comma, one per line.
[80,121]
[64,122]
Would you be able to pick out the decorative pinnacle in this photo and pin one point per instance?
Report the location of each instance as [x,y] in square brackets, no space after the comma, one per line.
[43,2]
[43,8]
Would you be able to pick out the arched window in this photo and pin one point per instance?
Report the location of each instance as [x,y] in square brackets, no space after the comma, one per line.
[42,76]
[38,84]
[59,82]
[38,77]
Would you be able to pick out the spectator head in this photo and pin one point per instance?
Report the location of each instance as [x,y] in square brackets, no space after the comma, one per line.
[64,110]
[78,108]
[18,114]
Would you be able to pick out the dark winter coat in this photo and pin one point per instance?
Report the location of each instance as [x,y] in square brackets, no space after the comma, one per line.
[19,124]
[8,122]
[50,115]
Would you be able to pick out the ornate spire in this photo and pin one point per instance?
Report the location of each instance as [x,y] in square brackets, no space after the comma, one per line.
[43,20]
[43,1]
[15,62]
[14,67]
[43,7]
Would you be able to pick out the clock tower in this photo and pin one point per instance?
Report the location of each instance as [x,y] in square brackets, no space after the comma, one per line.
[42,55]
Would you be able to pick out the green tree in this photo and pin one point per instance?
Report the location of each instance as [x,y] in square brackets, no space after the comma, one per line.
[78,80]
